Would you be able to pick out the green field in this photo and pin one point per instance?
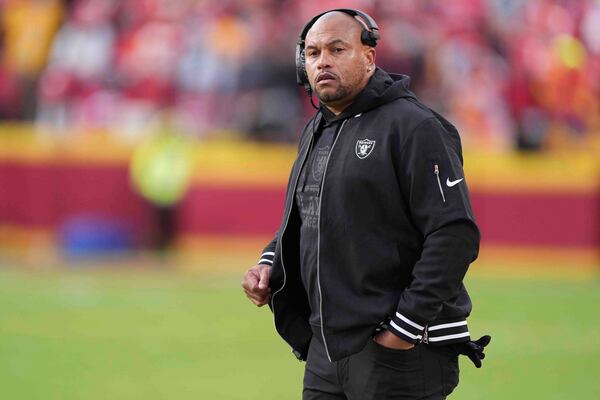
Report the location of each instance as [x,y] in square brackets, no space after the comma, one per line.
[108,334]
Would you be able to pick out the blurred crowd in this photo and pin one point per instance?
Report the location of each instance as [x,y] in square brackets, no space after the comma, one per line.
[508,73]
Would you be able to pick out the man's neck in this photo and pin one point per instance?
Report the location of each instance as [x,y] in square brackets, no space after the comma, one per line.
[338,109]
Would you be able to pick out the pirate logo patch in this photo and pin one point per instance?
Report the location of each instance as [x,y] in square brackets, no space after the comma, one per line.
[364,147]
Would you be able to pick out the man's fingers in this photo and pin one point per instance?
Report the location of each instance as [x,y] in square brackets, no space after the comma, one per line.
[475,360]
[256,302]
[256,284]
[258,295]
[259,302]
[264,278]
[251,279]
[474,350]
[483,341]
[256,290]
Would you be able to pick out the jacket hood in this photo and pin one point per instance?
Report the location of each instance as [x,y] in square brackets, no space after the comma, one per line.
[382,88]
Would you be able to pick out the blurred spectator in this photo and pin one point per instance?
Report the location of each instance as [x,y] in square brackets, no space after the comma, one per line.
[10,93]
[269,107]
[509,73]
[75,81]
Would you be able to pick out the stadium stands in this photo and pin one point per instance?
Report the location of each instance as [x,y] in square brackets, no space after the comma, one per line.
[518,73]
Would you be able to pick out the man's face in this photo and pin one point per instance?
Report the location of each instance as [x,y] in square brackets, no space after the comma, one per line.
[336,59]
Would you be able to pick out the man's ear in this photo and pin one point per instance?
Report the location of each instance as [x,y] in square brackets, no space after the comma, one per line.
[370,54]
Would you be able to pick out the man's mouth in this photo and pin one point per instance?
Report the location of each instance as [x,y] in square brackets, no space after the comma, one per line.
[325,77]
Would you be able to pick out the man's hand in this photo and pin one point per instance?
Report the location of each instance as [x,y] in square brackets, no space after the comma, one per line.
[387,339]
[474,349]
[256,284]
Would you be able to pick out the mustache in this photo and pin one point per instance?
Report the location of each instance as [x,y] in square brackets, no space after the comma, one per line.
[325,75]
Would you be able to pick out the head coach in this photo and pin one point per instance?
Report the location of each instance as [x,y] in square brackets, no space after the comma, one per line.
[365,274]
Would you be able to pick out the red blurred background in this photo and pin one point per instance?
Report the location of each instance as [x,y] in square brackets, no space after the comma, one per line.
[85,85]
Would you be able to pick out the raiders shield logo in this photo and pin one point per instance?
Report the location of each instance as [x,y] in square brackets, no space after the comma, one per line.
[364,147]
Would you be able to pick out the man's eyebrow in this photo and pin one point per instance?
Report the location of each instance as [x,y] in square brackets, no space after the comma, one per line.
[331,43]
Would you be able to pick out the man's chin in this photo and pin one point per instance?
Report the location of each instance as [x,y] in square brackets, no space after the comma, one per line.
[327,96]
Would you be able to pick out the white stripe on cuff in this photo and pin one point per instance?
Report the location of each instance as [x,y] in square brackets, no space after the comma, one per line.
[448,325]
[268,253]
[408,321]
[407,333]
[448,337]
[265,260]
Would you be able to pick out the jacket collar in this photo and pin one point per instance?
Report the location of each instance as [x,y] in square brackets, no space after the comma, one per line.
[382,88]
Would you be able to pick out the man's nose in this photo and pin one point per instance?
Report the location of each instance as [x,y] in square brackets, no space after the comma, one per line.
[324,60]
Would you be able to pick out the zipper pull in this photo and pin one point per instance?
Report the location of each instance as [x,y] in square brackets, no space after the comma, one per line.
[425,338]
[436,171]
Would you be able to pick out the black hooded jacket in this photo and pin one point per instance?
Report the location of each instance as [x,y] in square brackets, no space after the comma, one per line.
[396,232]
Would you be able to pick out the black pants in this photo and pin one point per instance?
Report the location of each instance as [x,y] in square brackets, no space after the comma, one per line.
[377,373]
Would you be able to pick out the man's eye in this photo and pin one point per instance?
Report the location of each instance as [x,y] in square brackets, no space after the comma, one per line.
[311,54]
[339,49]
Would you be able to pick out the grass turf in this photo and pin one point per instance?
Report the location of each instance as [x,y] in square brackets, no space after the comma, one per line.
[106,334]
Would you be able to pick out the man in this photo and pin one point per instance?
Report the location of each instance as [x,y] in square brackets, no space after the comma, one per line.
[364,276]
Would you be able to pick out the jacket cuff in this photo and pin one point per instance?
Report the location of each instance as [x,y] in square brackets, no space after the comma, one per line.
[266,258]
[406,328]
[449,332]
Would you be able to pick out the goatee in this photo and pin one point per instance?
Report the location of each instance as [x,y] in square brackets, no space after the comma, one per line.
[340,93]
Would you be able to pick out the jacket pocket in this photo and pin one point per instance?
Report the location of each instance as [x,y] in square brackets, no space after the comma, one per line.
[403,352]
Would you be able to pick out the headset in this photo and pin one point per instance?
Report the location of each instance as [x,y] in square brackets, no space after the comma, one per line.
[368,36]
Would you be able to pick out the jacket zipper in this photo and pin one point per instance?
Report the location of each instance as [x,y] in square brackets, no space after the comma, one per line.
[425,338]
[287,218]
[339,132]
[436,171]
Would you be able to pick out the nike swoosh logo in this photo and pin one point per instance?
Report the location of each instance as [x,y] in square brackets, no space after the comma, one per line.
[450,183]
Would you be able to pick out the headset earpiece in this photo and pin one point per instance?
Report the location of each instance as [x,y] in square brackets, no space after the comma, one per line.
[369,38]
[301,76]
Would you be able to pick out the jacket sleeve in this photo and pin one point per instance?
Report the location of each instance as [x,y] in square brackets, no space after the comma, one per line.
[430,174]
[268,253]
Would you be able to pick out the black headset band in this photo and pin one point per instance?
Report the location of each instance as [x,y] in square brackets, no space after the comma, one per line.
[368,22]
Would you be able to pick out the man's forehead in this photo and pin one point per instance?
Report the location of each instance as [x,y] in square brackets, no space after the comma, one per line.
[332,26]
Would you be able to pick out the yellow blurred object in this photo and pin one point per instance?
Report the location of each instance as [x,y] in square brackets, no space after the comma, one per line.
[570,51]
[29,29]
[229,37]
[161,168]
